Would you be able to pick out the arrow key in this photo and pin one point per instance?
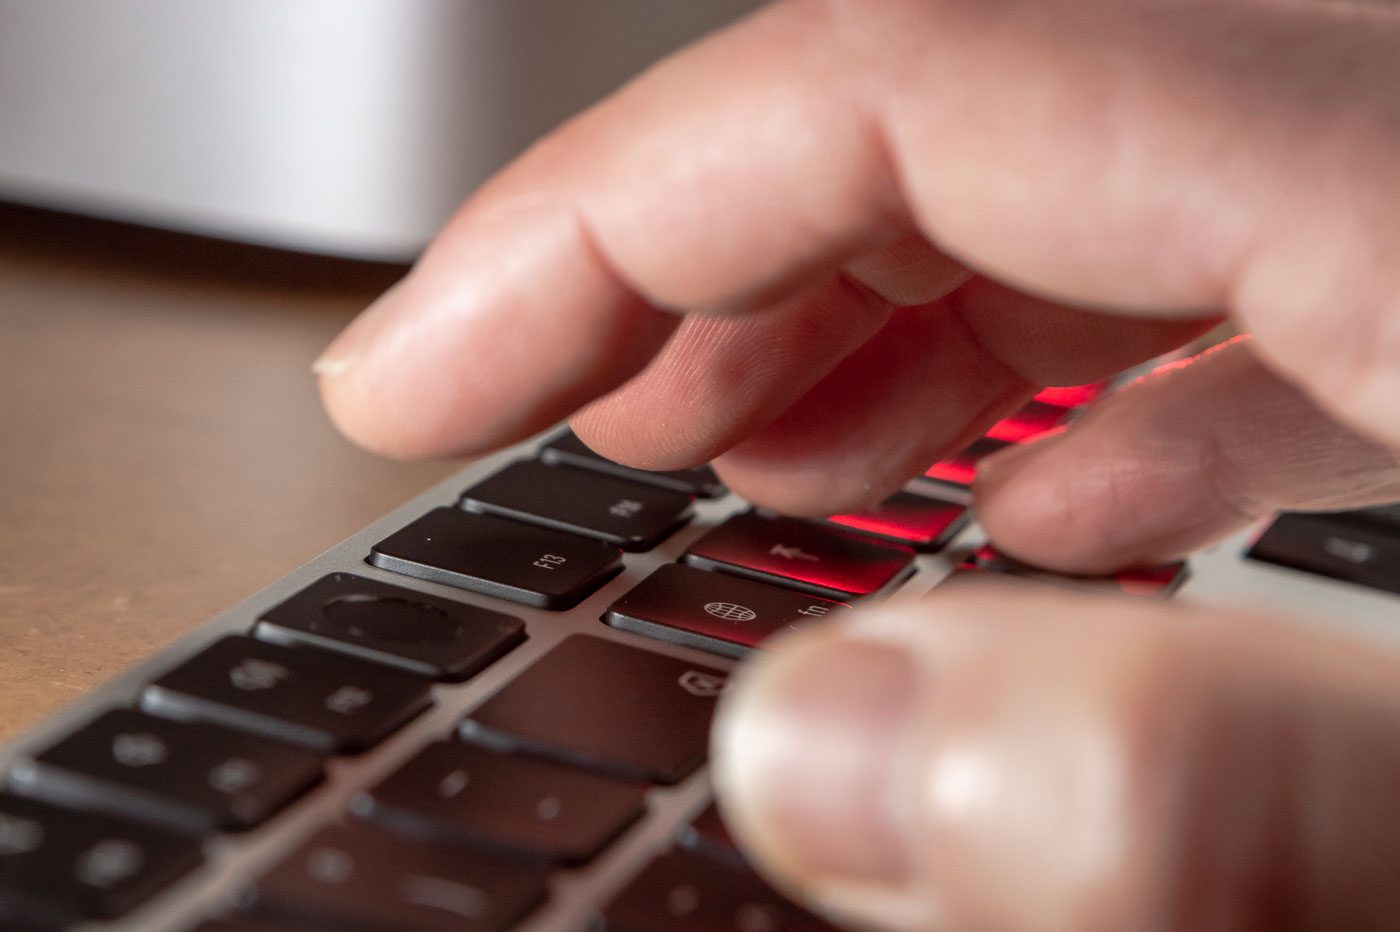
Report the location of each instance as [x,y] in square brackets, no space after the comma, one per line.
[801,555]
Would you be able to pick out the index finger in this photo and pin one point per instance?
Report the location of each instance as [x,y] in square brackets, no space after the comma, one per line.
[1158,157]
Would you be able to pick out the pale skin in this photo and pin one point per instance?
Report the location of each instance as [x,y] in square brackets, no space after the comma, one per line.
[831,244]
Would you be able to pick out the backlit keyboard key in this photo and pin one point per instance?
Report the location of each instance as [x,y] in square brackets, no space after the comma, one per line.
[962,469]
[606,706]
[1158,581]
[1361,547]
[299,694]
[459,793]
[802,555]
[56,864]
[1031,421]
[196,777]
[917,521]
[717,612]
[683,892]
[617,511]
[499,558]
[1071,396]
[392,625]
[354,879]
[567,449]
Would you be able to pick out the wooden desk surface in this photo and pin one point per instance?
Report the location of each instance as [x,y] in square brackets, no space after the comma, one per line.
[162,448]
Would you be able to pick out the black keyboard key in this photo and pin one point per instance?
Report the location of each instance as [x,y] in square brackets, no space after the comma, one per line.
[1355,547]
[56,863]
[802,555]
[354,879]
[388,624]
[235,924]
[1157,581]
[605,706]
[917,521]
[707,835]
[683,892]
[568,450]
[724,614]
[299,694]
[459,793]
[499,558]
[616,511]
[198,778]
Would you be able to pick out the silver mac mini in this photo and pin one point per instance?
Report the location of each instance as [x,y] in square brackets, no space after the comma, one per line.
[349,127]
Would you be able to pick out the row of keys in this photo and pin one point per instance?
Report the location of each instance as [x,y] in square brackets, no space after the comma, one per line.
[235,733]
[1050,408]
[245,724]
[548,780]
[353,878]
[117,810]
[461,835]
[552,570]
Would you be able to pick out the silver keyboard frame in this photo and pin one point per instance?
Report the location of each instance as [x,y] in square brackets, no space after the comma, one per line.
[1219,576]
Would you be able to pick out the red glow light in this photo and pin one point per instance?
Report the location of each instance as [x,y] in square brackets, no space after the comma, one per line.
[1031,421]
[1071,396]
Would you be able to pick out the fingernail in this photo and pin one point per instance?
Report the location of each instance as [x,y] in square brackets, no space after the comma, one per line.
[347,349]
[806,751]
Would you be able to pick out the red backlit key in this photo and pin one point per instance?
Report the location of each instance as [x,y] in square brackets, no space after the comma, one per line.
[960,469]
[917,521]
[712,611]
[801,555]
[1071,396]
[1031,421]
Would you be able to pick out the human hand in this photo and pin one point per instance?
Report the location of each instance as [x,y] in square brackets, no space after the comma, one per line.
[813,187]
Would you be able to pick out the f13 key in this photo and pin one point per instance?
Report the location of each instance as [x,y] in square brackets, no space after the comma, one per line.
[616,511]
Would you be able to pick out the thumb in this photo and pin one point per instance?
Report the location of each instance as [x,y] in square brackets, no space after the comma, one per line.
[991,759]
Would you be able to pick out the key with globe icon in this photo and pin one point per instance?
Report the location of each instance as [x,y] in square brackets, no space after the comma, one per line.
[725,615]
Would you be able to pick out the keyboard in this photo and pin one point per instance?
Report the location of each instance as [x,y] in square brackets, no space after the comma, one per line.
[490,709]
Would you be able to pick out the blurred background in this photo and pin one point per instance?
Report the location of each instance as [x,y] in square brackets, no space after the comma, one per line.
[349,127]
[194,198]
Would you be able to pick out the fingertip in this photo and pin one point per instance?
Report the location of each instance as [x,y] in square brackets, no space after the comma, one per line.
[1091,500]
[803,757]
